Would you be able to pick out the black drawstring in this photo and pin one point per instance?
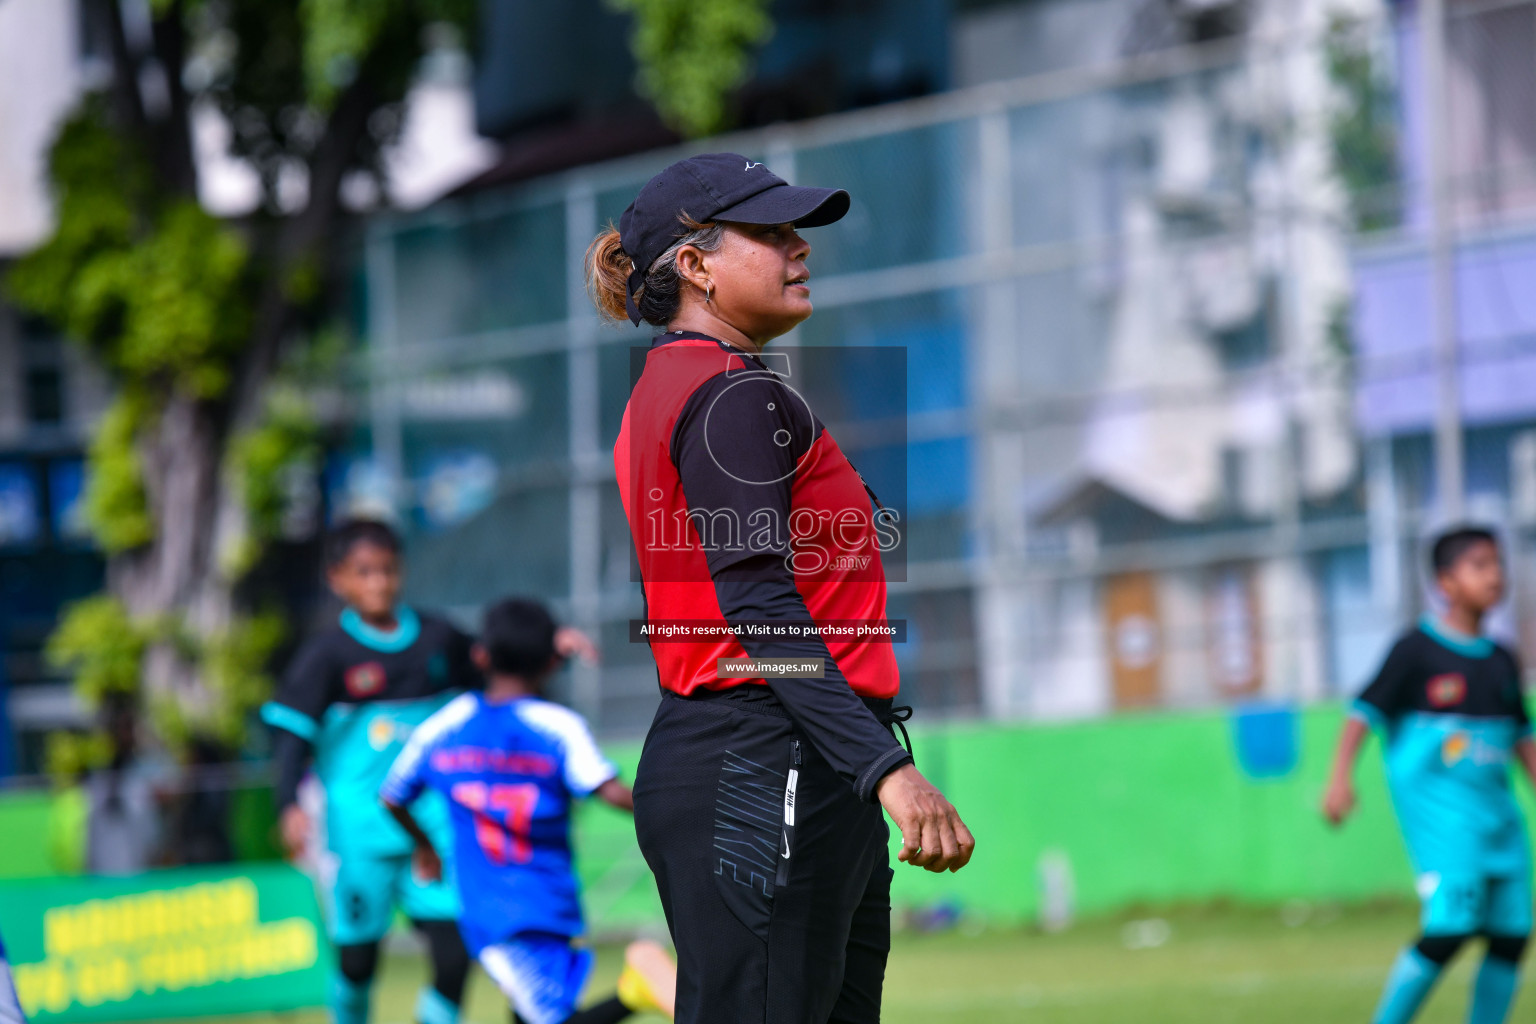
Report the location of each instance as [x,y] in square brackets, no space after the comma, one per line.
[899,714]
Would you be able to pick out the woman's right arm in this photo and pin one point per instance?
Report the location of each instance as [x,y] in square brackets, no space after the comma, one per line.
[840,726]
[736,445]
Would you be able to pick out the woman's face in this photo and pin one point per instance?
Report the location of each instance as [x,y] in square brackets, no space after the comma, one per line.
[758,279]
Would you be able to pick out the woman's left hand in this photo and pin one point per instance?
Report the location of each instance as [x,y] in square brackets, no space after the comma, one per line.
[932,834]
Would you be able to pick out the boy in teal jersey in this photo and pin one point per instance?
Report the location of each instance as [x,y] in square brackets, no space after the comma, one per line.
[349,701]
[1449,705]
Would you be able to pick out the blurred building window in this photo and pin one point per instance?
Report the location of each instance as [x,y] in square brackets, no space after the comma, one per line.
[20,504]
[95,31]
[1492,82]
[45,396]
[44,384]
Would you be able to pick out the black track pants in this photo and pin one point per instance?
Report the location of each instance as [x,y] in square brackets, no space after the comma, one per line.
[775,877]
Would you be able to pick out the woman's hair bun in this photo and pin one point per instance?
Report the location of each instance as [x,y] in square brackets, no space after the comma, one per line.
[608,268]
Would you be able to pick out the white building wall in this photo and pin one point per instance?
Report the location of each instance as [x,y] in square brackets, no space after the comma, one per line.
[1294,652]
[1068,672]
[1169,296]
[1181,597]
[40,77]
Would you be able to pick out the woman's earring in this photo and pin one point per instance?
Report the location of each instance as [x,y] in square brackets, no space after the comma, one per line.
[709,290]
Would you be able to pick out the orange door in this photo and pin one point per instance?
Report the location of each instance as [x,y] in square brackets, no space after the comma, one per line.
[1135,636]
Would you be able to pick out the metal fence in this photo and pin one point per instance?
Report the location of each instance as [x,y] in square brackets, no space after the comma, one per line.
[1171,392]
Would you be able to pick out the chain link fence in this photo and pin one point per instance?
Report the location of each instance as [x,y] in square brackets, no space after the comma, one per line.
[1171,377]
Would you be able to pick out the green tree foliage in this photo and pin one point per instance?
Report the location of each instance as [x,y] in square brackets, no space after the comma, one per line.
[195,319]
[692,54]
[235,661]
[339,34]
[103,187]
[101,646]
[116,510]
[1363,126]
[164,305]
[260,461]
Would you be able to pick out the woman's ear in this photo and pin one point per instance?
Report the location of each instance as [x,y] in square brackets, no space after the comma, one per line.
[481,657]
[692,266]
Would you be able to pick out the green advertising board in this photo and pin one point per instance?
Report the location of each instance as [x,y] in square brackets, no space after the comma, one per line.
[177,943]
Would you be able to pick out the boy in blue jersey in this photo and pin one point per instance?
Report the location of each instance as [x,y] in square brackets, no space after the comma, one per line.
[511,764]
[349,700]
[1448,702]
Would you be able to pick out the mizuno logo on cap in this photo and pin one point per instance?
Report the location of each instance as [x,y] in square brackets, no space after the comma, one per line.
[752,163]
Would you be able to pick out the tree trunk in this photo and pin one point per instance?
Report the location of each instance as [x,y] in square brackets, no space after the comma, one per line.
[176,579]
[196,511]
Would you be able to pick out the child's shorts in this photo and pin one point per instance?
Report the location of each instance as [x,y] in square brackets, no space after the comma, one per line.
[362,897]
[1475,904]
[541,975]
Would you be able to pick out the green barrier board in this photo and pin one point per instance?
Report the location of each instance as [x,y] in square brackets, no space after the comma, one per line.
[180,943]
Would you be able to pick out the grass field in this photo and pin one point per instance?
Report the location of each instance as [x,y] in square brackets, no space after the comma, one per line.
[1214,966]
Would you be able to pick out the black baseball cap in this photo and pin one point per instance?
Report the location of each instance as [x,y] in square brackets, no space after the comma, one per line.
[711,187]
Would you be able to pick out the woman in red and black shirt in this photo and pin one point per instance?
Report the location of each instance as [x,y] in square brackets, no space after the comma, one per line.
[757,799]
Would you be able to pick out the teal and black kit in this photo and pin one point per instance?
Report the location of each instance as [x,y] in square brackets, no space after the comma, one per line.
[1451,713]
[353,694]
[1451,710]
